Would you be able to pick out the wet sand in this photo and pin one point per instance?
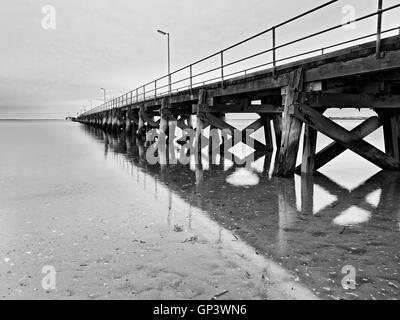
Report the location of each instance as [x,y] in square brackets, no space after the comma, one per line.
[66,204]
[312,226]
[115,227]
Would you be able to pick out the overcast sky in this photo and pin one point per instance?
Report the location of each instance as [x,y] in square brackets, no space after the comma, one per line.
[114,44]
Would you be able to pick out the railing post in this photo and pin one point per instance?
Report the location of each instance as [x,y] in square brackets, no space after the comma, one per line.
[131,98]
[169,84]
[155,89]
[137,95]
[379,30]
[222,69]
[191,77]
[273,50]
[144,93]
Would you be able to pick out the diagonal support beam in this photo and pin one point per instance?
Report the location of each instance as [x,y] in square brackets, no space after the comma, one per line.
[335,149]
[149,120]
[216,122]
[182,125]
[259,123]
[222,125]
[326,126]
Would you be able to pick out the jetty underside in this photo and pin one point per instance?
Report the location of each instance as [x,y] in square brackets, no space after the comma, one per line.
[286,97]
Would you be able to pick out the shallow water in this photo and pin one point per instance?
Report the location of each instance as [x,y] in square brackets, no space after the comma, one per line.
[88,203]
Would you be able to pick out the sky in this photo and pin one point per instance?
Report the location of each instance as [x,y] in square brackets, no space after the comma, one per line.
[54,72]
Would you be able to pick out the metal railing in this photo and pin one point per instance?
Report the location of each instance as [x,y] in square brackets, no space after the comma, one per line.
[153,89]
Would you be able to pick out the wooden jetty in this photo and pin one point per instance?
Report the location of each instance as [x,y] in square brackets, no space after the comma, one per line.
[285,95]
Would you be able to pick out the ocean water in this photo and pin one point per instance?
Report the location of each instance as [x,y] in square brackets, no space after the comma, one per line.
[113,226]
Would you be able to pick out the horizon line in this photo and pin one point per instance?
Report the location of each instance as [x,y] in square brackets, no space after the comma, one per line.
[31,119]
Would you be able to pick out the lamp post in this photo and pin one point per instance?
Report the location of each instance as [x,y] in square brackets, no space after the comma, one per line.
[169,58]
[105,97]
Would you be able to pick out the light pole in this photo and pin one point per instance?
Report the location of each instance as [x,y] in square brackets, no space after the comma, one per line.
[169,59]
[105,97]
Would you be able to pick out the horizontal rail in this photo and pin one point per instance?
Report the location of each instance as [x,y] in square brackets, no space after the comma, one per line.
[154,90]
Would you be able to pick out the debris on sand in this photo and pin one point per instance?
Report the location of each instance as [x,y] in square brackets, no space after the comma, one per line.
[191,239]
[140,241]
[219,295]
[178,228]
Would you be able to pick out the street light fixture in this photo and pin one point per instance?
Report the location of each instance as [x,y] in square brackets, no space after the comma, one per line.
[105,97]
[169,58]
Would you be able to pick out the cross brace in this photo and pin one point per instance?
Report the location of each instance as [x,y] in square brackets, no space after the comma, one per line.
[347,139]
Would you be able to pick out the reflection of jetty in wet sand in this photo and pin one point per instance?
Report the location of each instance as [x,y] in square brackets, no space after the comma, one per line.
[286,220]
[285,100]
